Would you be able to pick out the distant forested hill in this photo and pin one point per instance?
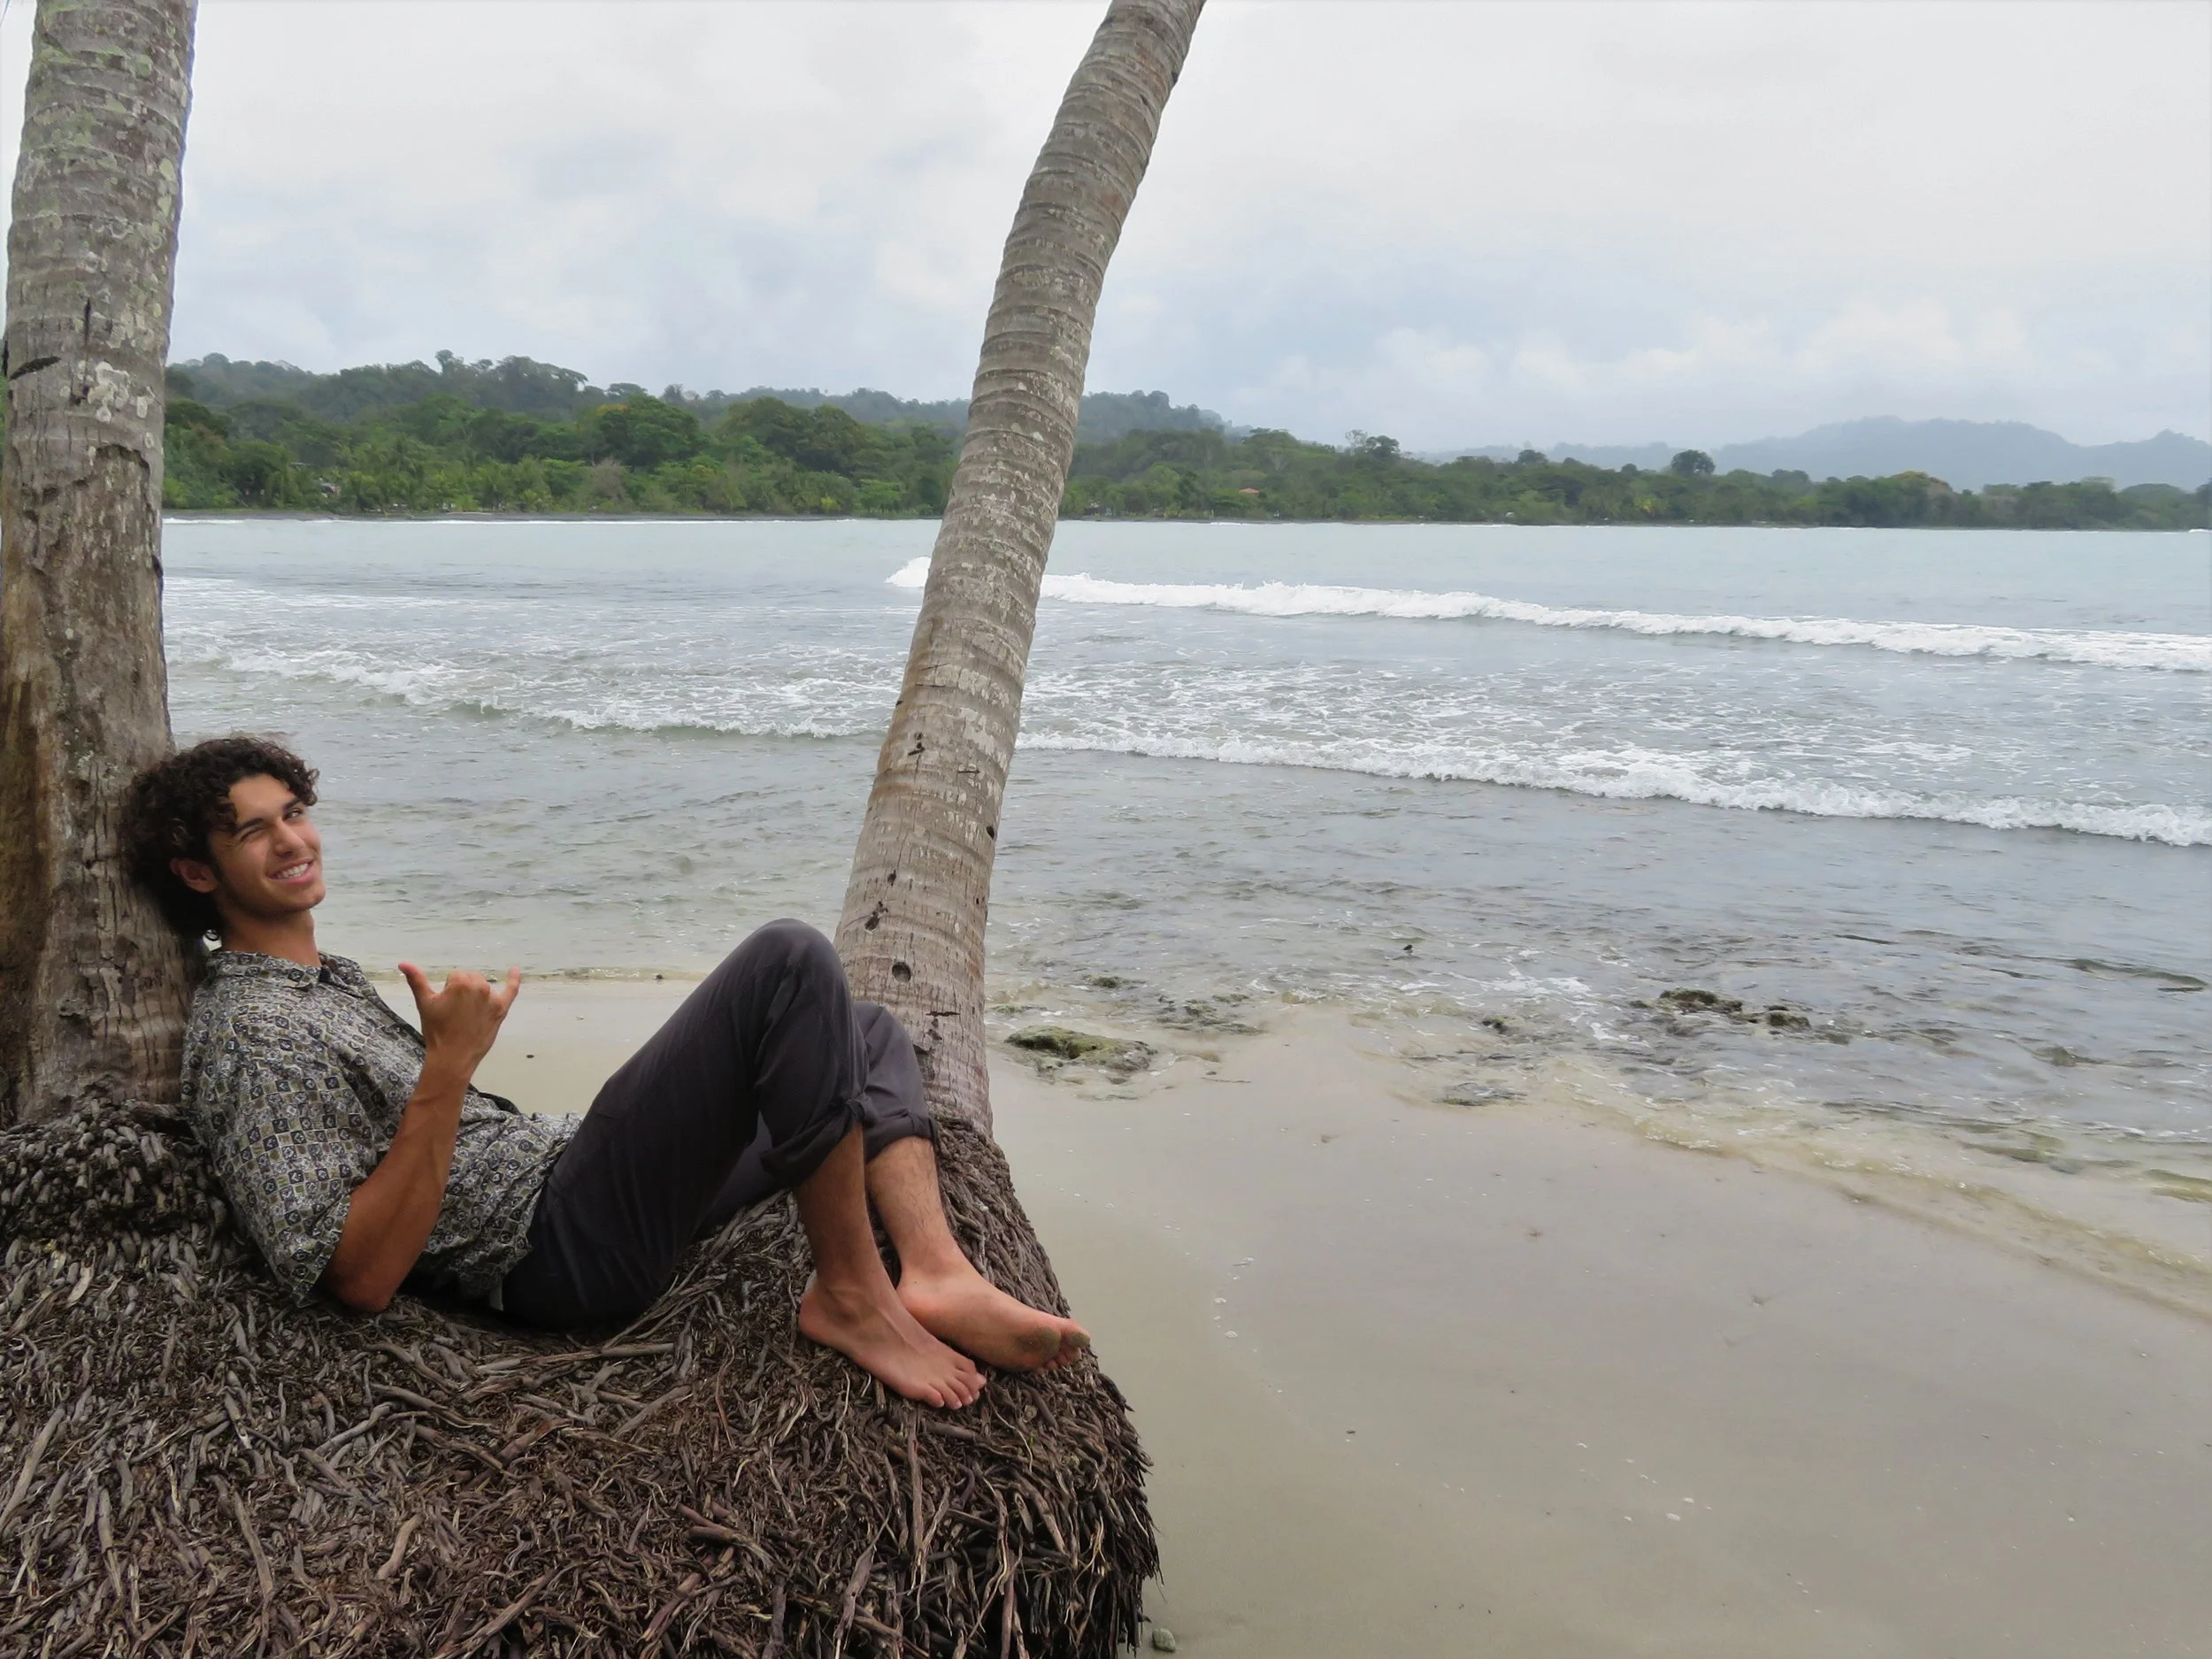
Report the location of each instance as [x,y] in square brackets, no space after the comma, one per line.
[1104,415]
[515,386]
[520,386]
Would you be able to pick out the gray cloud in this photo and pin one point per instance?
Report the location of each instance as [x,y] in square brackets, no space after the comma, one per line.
[1454,223]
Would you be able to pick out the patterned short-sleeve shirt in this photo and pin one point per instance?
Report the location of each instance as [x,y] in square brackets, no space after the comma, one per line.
[295,1080]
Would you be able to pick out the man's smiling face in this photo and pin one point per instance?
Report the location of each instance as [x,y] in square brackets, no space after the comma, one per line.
[269,864]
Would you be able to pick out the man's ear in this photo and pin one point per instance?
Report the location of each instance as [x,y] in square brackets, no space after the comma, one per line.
[199,876]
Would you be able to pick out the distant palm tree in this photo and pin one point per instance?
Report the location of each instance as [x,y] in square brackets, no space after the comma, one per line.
[912,930]
[92,983]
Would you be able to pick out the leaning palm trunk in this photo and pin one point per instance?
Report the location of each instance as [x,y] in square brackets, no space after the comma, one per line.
[92,984]
[912,930]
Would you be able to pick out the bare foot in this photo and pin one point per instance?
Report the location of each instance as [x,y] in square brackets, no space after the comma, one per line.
[977,1318]
[876,1333]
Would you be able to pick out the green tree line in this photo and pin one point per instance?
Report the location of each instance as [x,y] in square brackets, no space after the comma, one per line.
[642,454]
[447,451]
[1269,475]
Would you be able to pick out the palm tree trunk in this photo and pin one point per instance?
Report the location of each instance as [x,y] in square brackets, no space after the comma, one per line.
[92,983]
[912,930]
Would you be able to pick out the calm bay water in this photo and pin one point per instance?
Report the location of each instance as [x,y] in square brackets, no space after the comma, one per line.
[1944,797]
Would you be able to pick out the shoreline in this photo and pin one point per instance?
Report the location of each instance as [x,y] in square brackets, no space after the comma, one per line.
[2153,1244]
[244,515]
[2113,1228]
[1482,1360]
[1409,1371]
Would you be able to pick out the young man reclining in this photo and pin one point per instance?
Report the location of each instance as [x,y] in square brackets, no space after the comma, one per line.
[358,1157]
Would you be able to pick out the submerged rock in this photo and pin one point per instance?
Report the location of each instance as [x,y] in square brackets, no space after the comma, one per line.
[1206,1013]
[1688,999]
[1082,1048]
[1476,1095]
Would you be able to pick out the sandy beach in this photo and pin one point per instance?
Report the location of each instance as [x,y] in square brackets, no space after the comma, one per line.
[1522,1379]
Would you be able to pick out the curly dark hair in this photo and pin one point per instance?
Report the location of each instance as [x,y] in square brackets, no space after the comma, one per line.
[173,804]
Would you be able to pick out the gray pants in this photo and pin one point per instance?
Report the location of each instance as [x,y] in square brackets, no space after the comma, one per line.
[743,1092]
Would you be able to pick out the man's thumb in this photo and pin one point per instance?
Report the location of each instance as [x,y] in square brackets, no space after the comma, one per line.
[415,982]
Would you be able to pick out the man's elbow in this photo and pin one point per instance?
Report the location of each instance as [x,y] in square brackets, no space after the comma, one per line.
[358,1291]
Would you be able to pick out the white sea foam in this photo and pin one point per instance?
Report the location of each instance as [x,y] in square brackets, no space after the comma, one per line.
[1213,718]
[1634,775]
[1644,735]
[2102,648]
[827,705]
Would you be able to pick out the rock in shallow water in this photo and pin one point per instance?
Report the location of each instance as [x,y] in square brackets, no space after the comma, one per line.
[1083,1048]
[1476,1095]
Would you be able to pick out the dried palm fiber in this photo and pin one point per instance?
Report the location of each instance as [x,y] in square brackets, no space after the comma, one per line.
[188,1465]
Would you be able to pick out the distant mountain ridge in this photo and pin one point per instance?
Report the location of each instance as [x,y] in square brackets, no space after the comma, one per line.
[1964,454]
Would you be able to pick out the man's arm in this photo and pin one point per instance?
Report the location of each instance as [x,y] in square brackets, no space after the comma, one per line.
[392,1213]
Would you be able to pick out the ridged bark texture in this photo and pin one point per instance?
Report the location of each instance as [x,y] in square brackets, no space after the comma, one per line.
[92,983]
[915,910]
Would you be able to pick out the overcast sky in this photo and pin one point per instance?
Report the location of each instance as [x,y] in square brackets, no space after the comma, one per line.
[1455,223]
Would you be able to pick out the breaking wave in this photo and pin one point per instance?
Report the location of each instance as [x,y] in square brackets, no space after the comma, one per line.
[848,701]
[1634,775]
[2186,653]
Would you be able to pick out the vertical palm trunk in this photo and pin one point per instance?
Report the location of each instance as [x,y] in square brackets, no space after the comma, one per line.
[912,931]
[92,984]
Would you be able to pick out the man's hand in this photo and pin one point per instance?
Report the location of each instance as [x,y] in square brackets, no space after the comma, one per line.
[460,1024]
[393,1212]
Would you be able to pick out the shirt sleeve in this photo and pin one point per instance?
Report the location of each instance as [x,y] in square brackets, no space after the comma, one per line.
[289,1144]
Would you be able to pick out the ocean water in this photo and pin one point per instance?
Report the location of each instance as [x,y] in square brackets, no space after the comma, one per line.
[1942,799]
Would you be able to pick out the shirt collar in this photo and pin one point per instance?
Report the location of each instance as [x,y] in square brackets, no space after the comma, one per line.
[252,964]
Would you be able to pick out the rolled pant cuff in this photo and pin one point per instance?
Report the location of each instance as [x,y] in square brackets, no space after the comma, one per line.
[791,1162]
[889,1129]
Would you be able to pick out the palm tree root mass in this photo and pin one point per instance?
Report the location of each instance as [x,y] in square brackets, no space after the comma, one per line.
[188,1463]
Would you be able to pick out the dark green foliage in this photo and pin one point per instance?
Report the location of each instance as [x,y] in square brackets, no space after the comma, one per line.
[444,453]
[511,437]
[1273,475]
[228,466]
[642,433]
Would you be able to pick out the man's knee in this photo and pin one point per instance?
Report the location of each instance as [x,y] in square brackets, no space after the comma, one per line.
[792,947]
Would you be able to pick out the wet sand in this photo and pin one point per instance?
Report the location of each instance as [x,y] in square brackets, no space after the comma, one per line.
[1520,1381]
